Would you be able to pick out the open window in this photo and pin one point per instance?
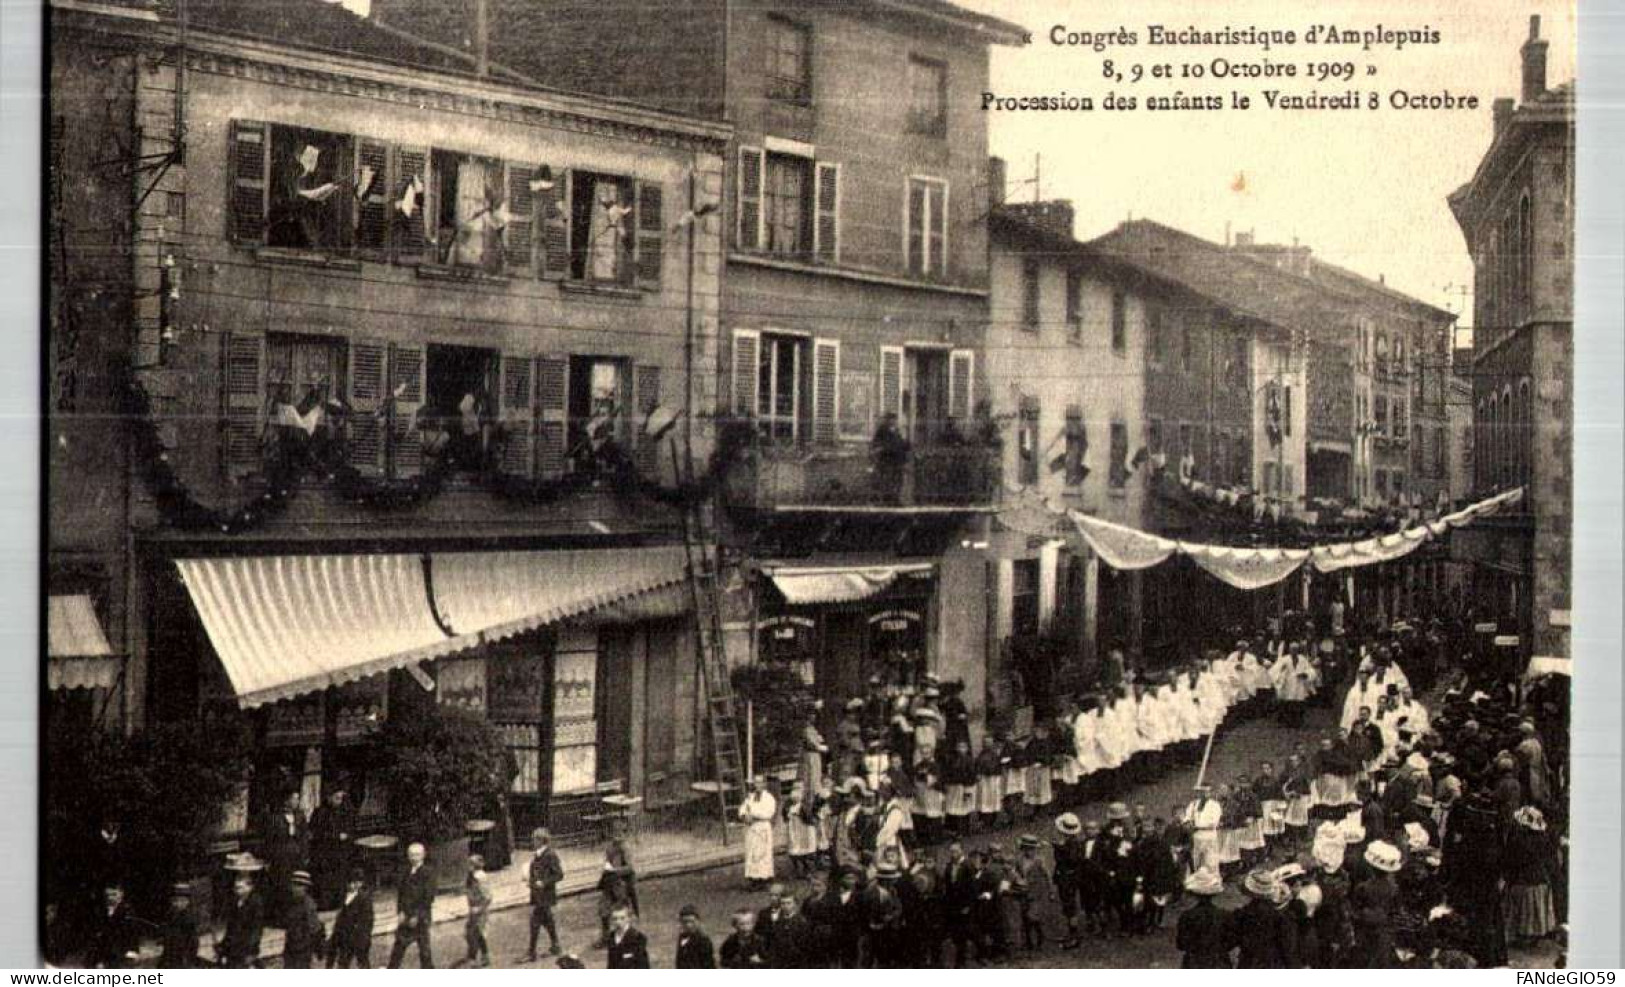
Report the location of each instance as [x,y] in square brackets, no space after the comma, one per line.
[601,228]
[470,210]
[458,418]
[782,385]
[311,190]
[600,419]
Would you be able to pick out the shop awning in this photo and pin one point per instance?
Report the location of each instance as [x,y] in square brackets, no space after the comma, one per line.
[493,595]
[78,654]
[843,584]
[287,625]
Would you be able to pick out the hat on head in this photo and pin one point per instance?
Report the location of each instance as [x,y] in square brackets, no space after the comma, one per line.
[1526,727]
[1204,883]
[301,878]
[875,680]
[1260,883]
[1383,856]
[1028,842]
[1115,811]
[180,890]
[244,863]
[1530,818]
[1289,872]
[1416,838]
[887,871]
[1067,823]
[1416,761]
[854,703]
[1424,800]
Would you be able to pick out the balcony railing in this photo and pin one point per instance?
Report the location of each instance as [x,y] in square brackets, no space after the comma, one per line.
[932,476]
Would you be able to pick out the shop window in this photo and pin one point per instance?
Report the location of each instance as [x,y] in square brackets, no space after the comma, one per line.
[928,97]
[787,203]
[600,228]
[781,371]
[311,190]
[1119,464]
[524,743]
[1030,289]
[458,418]
[600,396]
[789,66]
[927,226]
[470,211]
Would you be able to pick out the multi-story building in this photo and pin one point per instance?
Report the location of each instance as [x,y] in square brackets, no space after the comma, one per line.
[1516,214]
[853,306]
[404,324]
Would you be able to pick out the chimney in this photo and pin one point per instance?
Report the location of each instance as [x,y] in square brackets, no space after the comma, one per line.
[996,170]
[1534,62]
[1501,113]
[482,38]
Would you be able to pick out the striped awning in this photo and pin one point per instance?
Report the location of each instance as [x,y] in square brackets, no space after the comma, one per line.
[287,625]
[838,584]
[492,595]
[76,646]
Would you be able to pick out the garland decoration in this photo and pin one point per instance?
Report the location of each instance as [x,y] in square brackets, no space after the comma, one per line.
[289,463]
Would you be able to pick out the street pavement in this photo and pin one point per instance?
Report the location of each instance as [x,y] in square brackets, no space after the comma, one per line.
[717,892]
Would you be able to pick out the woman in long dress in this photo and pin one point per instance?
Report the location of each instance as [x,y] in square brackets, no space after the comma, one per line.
[757,813]
[1529,862]
[810,773]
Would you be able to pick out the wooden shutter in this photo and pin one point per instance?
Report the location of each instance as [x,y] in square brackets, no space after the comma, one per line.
[649,242]
[752,163]
[517,254]
[555,233]
[411,239]
[364,441]
[372,209]
[518,415]
[406,386]
[646,382]
[891,382]
[552,415]
[245,403]
[961,385]
[827,227]
[826,389]
[250,181]
[746,368]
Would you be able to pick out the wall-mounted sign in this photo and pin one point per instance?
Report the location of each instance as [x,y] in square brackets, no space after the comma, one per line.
[895,621]
[296,722]
[516,688]
[1558,618]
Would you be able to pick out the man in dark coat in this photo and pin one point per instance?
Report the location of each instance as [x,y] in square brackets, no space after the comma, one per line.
[840,916]
[628,947]
[178,948]
[694,950]
[744,949]
[305,934]
[792,942]
[543,874]
[245,923]
[415,903]
[332,848]
[287,849]
[115,942]
[352,931]
[768,917]
[1158,871]
[962,884]
[1070,861]
[1202,934]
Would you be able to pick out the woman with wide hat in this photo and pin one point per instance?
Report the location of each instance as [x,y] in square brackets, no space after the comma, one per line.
[1372,904]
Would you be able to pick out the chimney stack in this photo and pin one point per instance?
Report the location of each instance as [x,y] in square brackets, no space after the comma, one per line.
[1534,62]
[996,170]
[1501,113]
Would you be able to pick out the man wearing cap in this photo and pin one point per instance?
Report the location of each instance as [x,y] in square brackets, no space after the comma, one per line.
[840,915]
[543,874]
[1201,935]
[415,903]
[245,916]
[351,943]
[305,934]
[178,946]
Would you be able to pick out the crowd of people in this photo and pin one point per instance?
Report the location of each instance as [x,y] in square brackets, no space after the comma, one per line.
[1423,829]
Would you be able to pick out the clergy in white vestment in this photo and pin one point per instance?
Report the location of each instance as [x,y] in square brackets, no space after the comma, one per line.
[1363,692]
[1202,817]
[757,813]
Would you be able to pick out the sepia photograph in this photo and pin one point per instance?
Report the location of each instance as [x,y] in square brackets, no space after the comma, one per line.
[887,484]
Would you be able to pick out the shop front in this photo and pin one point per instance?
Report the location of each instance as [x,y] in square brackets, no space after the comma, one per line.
[572,656]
